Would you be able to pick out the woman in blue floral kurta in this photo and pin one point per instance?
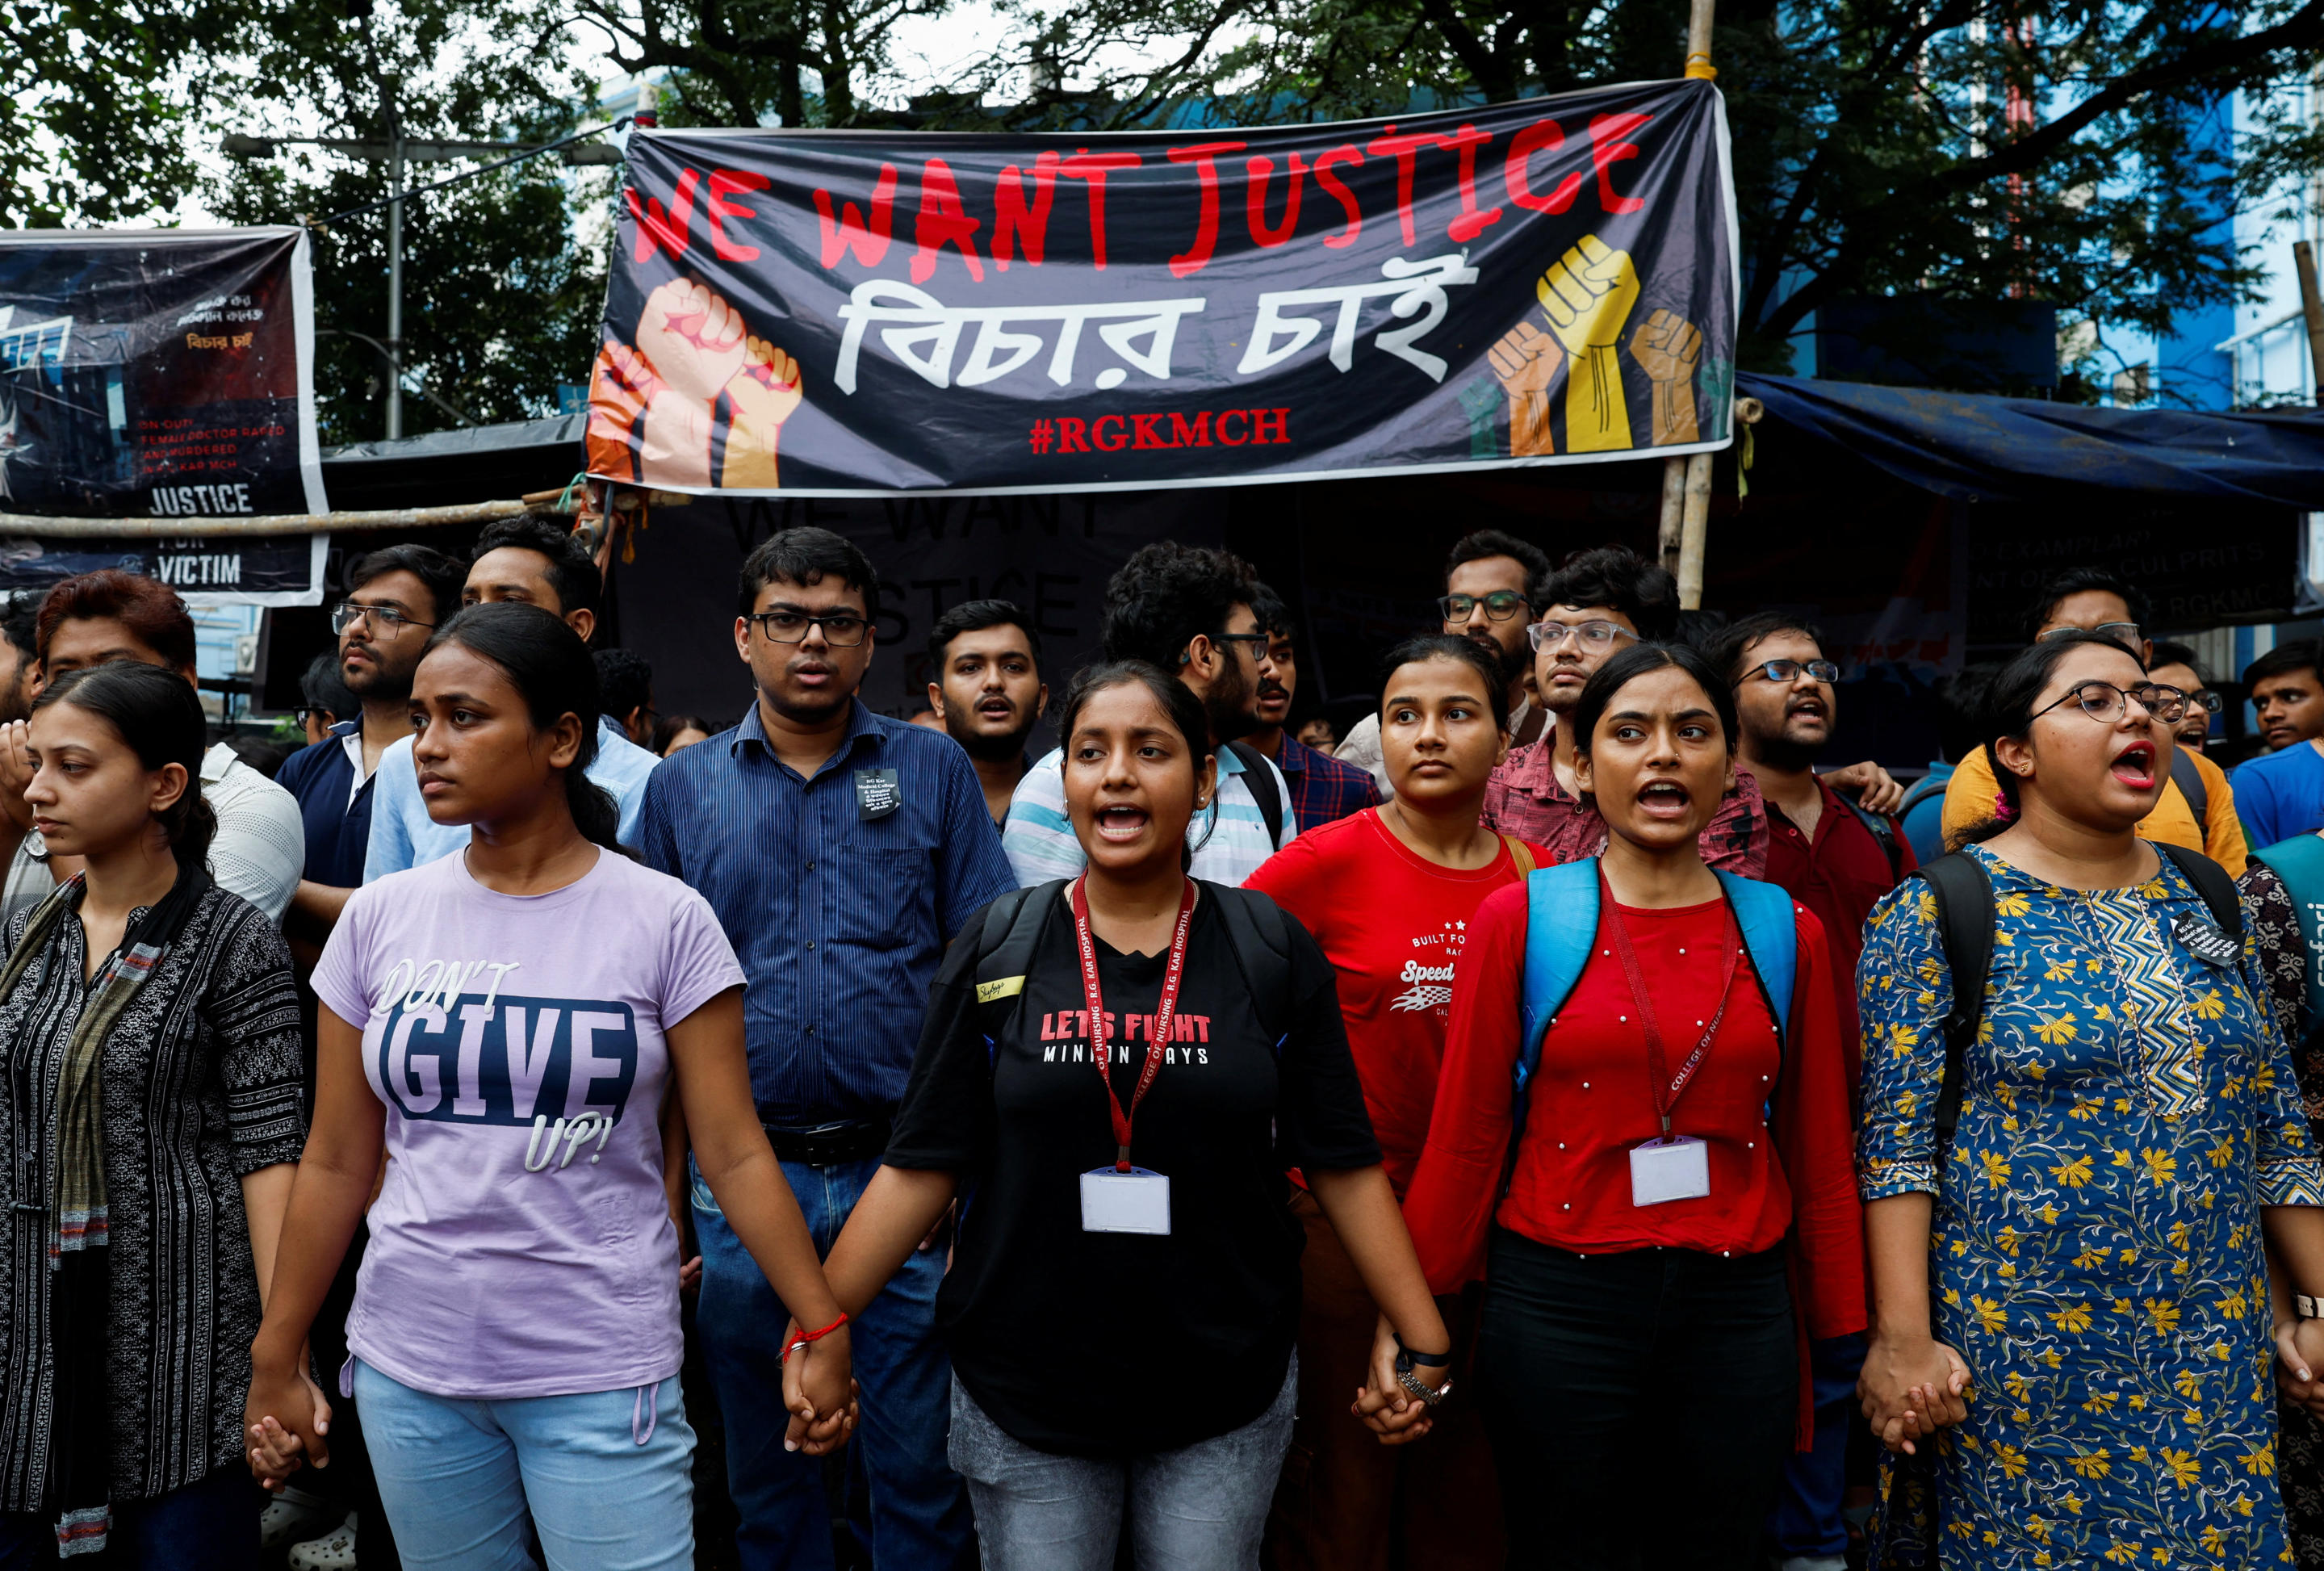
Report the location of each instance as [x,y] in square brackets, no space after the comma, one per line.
[2096,1254]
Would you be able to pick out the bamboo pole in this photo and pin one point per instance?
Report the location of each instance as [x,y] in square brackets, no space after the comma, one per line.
[1673,518]
[15,525]
[2304,257]
[1694,485]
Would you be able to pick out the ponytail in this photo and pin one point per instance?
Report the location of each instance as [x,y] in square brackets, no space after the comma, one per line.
[547,662]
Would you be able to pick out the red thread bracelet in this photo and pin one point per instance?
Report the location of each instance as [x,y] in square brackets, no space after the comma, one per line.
[807,1336]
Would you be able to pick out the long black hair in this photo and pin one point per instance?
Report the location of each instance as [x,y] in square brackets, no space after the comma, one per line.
[547,662]
[158,716]
[2010,702]
[1460,651]
[1177,702]
[1637,662]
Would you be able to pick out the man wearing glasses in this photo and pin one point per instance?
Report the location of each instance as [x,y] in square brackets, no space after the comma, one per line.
[2196,808]
[1487,598]
[532,562]
[842,850]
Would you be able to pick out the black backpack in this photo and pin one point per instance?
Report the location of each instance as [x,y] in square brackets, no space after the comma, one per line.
[1964,896]
[1257,932]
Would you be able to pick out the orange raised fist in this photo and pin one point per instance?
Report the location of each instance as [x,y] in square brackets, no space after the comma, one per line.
[621,384]
[762,394]
[1668,347]
[1527,361]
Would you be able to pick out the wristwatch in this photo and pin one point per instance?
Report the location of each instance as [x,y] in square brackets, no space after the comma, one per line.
[1405,1360]
[2309,1308]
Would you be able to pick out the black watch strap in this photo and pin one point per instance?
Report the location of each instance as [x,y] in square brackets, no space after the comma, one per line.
[1433,1360]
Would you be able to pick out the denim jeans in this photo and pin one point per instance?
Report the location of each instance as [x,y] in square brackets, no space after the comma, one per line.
[604,1477]
[209,1525]
[919,1512]
[1200,1508]
[1808,1522]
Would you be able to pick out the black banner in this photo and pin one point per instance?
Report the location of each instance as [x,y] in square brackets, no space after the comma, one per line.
[157,373]
[284,569]
[845,313]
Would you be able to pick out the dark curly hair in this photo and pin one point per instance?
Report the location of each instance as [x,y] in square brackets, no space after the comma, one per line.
[1618,578]
[1168,593]
[1480,543]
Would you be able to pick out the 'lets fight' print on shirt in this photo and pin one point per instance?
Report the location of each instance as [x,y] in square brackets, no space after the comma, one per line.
[1431,984]
[454,1047]
[1064,1037]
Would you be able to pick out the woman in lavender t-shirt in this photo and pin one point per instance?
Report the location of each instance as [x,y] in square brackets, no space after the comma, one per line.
[506,1025]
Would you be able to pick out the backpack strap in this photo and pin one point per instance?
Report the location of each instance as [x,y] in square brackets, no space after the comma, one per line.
[1520,854]
[1771,936]
[2188,776]
[2211,882]
[1560,924]
[1258,779]
[1920,791]
[1964,896]
[1260,935]
[1883,832]
[1011,926]
[2300,862]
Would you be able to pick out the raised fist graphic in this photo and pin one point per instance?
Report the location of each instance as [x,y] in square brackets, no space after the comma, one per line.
[1667,347]
[1587,295]
[762,394]
[1527,361]
[621,384]
[692,338]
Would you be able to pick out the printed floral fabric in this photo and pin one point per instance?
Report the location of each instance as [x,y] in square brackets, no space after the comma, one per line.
[2283,956]
[2095,1253]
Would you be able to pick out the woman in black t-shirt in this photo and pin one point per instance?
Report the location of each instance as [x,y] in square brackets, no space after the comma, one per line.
[1125,1291]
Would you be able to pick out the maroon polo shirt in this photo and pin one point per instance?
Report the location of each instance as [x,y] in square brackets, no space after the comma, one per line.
[1840,876]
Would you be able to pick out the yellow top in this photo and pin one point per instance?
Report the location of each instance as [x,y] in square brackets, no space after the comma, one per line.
[1968,801]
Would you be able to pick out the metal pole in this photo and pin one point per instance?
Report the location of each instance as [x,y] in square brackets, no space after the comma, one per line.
[395,265]
[2304,257]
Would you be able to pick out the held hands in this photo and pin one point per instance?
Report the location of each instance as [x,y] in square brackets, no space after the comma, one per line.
[1912,1387]
[284,1421]
[820,1393]
[2300,1363]
[1394,1414]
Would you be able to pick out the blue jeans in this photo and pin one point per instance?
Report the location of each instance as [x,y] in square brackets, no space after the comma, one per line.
[1808,1519]
[604,1477]
[1200,1508]
[919,1512]
[209,1525]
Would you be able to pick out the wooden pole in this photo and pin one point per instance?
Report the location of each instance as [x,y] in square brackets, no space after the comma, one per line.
[1687,481]
[2304,257]
[1673,518]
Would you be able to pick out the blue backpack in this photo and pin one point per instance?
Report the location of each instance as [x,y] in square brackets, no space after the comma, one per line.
[1562,923]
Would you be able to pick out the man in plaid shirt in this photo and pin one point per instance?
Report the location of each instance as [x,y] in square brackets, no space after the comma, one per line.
[1321,788]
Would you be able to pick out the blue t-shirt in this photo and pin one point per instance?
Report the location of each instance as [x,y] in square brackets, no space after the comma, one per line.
[337,811]
[2279,795]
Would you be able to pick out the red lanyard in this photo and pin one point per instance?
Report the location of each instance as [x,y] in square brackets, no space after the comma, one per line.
[1667,1086]
[1157,1044]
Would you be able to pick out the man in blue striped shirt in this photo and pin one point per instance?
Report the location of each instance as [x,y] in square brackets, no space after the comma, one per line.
[1186,609]
[841,850]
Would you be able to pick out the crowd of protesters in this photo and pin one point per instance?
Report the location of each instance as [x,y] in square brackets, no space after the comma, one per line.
[1558,1124]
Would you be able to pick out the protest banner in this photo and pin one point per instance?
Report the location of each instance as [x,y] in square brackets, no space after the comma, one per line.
[857,313]
[284,569]
[157,373]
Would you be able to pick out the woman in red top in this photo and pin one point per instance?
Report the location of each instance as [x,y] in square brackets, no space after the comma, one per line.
[1638,1356]
[1389,893]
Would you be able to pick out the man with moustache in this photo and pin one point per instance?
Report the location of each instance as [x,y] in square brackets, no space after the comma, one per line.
[2280,792]
[842,850]
[1489,581]
[1837,861]
[986,691]
[396,599]
[1186,609]
[1322,787]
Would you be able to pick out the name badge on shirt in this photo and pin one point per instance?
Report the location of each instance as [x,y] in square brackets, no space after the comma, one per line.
[1675,1169]
[877,794]
[2203,939]
[1136,1201]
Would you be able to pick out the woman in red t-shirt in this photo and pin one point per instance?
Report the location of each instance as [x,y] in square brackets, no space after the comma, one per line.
[1389,893]
[1645,1309]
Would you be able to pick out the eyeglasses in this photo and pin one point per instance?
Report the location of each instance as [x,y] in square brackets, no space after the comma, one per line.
[2208,700]
[1788,670]
[1593,635]
[840,629]
[385,619]
[1499,605]
[2126,634]
[311,714]
[1258,641]
[2104,702]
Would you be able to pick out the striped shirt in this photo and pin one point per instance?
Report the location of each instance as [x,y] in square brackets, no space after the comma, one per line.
[839,918]
[1040,841]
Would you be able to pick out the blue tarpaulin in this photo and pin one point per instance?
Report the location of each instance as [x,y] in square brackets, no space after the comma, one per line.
[2029,451]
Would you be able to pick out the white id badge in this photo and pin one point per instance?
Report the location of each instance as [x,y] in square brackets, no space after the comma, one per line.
[1678,1170]
[1136,1201]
